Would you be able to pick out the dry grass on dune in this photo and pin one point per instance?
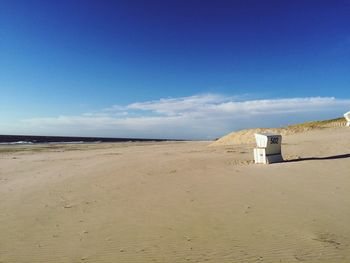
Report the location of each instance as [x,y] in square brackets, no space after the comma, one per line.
[247,136]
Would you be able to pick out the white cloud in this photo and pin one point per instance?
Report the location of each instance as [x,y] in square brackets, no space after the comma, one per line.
[177,106]
[194,117]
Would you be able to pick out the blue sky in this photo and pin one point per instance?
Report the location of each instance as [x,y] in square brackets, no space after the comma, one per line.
[127,68]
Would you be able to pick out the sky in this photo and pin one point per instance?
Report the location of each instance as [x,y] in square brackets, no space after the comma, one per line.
[171,69]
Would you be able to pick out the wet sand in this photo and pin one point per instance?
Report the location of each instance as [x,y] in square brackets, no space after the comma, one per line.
[176,202]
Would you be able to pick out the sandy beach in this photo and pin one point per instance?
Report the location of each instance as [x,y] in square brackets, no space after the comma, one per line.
[176,202]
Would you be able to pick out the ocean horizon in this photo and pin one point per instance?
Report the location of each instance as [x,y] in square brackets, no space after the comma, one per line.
[36,139]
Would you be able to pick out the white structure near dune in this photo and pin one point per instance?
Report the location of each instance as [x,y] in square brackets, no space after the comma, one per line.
[268,148]
[347,117]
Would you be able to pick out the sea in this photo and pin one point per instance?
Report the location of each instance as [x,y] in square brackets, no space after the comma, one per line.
[30,139]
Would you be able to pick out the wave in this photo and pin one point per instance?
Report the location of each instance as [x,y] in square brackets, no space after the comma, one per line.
[18,142]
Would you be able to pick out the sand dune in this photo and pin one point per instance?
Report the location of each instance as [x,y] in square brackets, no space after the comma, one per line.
[176,202]
[247,136]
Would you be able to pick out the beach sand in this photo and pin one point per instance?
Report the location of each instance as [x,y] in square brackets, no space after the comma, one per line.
[176,202]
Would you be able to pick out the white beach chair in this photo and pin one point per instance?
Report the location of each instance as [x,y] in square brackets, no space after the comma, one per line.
[347,117]
[268,148]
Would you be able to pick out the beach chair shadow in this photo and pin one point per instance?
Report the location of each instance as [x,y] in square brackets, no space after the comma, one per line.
[341,156]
